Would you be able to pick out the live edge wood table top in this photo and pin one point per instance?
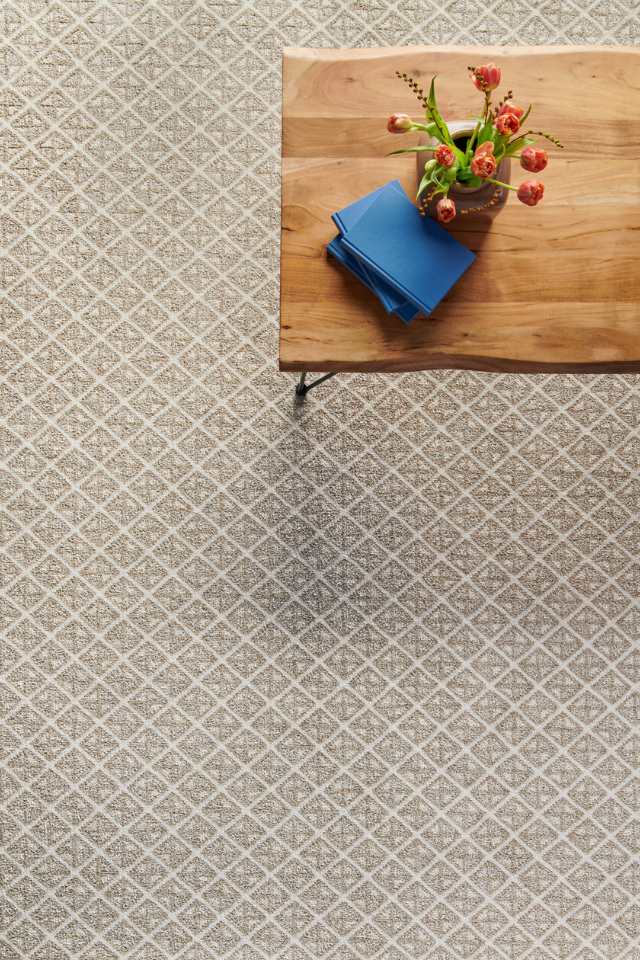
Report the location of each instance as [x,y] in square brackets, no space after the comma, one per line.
[554,288]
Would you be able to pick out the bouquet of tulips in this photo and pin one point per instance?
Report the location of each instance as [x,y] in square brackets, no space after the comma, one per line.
[496,135]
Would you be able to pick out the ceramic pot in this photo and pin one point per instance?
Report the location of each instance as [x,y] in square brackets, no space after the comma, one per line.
[485,201]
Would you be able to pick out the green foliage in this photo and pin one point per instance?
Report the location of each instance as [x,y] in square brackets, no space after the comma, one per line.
[468,178]
[436,178]
[486,132]
[424,183]
[429,128]
[500,143]
[434,114]
[472,139]
[519,143]
[525,115]
[416,149]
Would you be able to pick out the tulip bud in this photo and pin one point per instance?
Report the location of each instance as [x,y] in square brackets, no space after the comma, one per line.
[399,123]
[487,77]
[507,123]
[533,159]
[508,107]
[445,156]
[483,163]
[445,210]
[531,192]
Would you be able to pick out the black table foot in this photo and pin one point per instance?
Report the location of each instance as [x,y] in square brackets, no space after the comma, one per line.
[302,388]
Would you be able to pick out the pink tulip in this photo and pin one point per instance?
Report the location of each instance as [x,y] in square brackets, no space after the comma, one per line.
[399,123]
[534,159]
[483,163]
[445,210]
[508,107]
[487,77]
[444,155]
[531,192]
[507,123]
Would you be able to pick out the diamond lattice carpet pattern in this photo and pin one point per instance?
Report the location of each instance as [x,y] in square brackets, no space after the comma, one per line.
[358,680]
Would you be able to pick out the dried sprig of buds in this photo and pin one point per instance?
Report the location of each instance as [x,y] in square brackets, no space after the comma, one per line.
[419,92]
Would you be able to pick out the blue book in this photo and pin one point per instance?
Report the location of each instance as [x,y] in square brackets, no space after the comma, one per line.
[352,264]
[406,311]
[413,254]
[348,217]
[345,219]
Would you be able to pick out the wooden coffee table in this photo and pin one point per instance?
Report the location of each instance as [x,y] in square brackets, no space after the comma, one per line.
[555,288]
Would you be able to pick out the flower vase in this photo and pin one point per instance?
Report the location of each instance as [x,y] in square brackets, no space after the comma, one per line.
[485,201]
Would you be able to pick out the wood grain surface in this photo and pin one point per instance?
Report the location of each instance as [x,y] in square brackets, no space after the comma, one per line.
[554,288]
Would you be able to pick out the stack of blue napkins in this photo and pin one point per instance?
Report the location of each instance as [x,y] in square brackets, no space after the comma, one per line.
[407,260]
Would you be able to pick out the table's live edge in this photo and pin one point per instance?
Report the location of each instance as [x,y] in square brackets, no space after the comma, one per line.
[444,362]
[294,358]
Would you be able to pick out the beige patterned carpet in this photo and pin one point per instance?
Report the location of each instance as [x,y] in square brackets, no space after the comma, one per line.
[354,681]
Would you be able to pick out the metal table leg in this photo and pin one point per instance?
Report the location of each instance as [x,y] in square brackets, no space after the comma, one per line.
[302,387]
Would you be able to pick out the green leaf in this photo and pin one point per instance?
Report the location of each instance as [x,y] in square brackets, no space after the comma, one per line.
[429,176]
[468,179]
[429,128]
[500,144]
[424,183]
[431,179]
[472,138]
[420,149]
[525,115]
[518,144]
[434,113]
[486,132]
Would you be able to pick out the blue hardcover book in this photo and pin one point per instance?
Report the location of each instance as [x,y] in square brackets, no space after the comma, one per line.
[348,217]
[406,311]
[345,219]
[365,275]
[352,264]
[413,254]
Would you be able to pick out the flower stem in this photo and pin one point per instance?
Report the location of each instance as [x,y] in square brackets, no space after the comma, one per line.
[472,139]
[499,183]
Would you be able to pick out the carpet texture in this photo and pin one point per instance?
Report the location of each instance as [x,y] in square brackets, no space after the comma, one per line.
[353,680]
